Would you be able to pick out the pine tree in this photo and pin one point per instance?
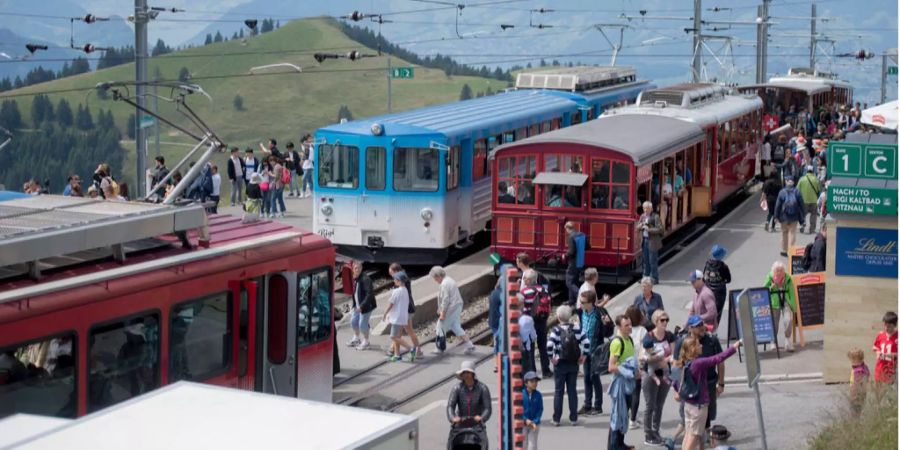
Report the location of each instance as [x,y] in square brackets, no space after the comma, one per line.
[83,119]
[241,33]
[267,26]
[6,85]
[183,74]
[238,103]
[160,48]
[41,110]
[465,93]
[209,39]
[218,37]
[344,113]
[234,36]
[130,125]
[10,118]
[64,113]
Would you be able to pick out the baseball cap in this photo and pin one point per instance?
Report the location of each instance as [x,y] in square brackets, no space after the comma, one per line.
[531,375]
[695,275]
[809,169]
[694,321]
[401,276]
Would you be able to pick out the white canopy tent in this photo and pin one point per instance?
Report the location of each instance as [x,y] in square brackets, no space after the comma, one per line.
[882,116]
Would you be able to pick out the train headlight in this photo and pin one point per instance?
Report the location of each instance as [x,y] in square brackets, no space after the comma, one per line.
[427,214]
[327,209]
[376,129]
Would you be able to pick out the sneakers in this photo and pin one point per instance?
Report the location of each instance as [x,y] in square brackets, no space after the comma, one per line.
[555,423]
[394,358]
[585,411]
[353,342]
[364,345]
[633,424]
[281,215]
[573,423]
[789,345]
[412,354]
[470,349]
[654,441]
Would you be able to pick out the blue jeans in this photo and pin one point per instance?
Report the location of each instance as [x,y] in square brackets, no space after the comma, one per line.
[276,199]
[307,181]
[651,261]
[294,186]
[572,284]
[592,385]
[566,378]
[267,201]
[360,321]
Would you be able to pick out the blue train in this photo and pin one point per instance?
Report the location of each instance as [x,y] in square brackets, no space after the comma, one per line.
[411,187]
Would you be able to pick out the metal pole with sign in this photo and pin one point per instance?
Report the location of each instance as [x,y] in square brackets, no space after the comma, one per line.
[745,309]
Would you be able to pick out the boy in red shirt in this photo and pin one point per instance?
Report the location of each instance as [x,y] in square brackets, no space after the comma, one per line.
[886,350]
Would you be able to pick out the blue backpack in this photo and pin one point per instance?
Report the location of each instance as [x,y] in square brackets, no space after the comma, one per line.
[688,388]
[579,249]
[791,207]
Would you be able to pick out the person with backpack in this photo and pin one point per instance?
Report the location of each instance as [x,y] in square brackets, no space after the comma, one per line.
[781,293]
[363,303]
[568,347]
[693,388]
[789,213]
[717,275]
[810,188]
[715,376]
[623,365]
[654,359]
[770,191]
[537,303]
[279,178]
[597,326]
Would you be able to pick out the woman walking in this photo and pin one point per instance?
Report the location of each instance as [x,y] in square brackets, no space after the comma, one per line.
[692,388]
[658,345]
[637,334]
[394,269]
[781,293]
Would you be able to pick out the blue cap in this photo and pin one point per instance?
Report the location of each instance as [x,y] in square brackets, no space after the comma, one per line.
[531,375]
[695,275]
[718,252]
[401,276]
[694,321]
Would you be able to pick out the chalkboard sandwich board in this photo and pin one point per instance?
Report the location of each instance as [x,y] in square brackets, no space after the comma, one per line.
[810,302]
[795,258]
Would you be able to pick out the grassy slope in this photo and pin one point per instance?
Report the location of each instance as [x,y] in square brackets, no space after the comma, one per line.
[282,106]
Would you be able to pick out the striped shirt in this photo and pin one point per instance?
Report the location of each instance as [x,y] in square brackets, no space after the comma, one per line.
[553,342]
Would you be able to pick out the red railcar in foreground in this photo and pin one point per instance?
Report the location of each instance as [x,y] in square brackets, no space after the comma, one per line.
[101,301]
[685,148]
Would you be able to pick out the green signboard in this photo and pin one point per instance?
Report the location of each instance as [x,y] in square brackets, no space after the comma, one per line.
[147,121]
[402,72]
[861,200]
[892,70]
[862,160]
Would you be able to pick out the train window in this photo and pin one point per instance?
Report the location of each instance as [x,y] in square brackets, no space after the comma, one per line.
[314,309]
[534,130]
[416,169]
[514,185]
[621,173]
[599,171]
[555,124]
[39,377]
[376,168]
[338,166]
[546,126]
[521,133]
[620,197]
[276,319]
[576,117]
[610,192]
[509,136]
[200,338]
[560,196]
[123,360]
[563,163]
[453,168]
[479,160]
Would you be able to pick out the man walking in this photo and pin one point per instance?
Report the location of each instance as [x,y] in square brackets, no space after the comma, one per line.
[572,274]
[651,241]
[568,347]
[704,304]
[789,212]
[450,305]
[809,188]
[236,170]
[597,326]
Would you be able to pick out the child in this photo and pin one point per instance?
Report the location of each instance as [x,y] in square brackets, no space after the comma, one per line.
[528,334]
[397,315]
[534,409]
[886,349]
[859,377]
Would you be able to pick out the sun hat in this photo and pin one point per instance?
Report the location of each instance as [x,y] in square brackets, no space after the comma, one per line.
[466,366]
[719,433]
[718,252]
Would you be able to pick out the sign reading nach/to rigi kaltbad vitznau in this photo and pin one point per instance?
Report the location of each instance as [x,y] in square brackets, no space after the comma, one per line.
[864,178]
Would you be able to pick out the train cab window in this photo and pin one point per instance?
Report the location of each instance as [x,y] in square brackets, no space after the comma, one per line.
[453,168]
[479,160]
[39,377]
[514,183]
[314,309]
[338,166]
[561,196]
[416,169]
[376,168]
[609,184]
[200,338]
[123,360]
[563,163]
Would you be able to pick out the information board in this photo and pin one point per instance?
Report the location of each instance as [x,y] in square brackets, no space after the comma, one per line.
[795,259]
[876,161]
[862,200]
[810,302]
[866,252]
[761,307]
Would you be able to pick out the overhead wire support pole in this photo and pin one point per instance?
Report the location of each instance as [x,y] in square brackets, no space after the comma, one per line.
[141,18]
[615,47]
[698,21]
[812,38]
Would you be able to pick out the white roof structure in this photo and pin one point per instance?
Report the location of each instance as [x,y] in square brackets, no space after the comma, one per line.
[580,78]
[199,416]
[882,116]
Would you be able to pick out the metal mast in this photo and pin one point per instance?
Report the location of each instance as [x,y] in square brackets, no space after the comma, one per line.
[141,18]
[812,38]
[695,63]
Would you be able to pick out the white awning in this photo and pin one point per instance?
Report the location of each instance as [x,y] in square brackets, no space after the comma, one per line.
[883,116]
[564,178]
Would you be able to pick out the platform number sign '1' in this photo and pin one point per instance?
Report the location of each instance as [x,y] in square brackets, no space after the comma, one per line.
[862,161]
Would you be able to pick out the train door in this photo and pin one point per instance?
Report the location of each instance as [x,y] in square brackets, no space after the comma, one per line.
[374,206]
[245,339]
[454,205]
[279,334]
[315,339]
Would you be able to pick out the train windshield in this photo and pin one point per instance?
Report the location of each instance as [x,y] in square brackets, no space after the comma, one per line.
[338,166]
[416,169]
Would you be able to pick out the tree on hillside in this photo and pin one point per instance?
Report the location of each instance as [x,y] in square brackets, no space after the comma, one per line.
[10,118]
[18,83]
[41,110]
[83,119]
[79,65]
[160,48]
[238,103]
[106,121]
[234,36]
[218,37]
[64,114]
[465,93]
[183,74]
[267,26]
[6,85]
[114,57]
[344,113]
[241,33]
[130,125]
[209,39]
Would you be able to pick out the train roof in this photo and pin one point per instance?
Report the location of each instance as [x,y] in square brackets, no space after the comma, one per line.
[578,78]
[642,137]
[703,104]
[457,117]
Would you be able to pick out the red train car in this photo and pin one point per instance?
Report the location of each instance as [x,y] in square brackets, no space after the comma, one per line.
[685,148]
[107,303]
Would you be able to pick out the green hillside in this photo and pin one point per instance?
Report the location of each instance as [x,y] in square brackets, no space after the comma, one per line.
[282,106]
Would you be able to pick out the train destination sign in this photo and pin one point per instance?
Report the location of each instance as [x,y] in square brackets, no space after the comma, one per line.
[862,200]
[862,160]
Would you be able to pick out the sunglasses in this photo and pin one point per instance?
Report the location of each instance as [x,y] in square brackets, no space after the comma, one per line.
[586,302]
[665,319]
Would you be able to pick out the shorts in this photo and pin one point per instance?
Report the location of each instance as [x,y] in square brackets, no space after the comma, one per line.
[397,330]
[360,321]
[695,418]
[452,322]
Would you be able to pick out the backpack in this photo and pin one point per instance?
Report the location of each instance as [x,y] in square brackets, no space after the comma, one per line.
[543,307]
[569,345]
[790,207]
[778,153]
[688,389]
[285,176]
[600,358]
[806,262]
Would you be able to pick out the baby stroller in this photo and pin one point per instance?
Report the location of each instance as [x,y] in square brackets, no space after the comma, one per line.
[467,435]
